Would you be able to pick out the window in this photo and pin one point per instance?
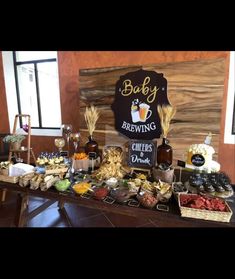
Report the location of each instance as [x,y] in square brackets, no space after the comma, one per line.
[35,90]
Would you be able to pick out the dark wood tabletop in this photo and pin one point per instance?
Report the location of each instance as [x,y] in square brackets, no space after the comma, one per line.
[171,218]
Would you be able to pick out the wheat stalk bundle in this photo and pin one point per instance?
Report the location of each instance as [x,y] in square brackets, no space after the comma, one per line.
[166,113]
[91,116]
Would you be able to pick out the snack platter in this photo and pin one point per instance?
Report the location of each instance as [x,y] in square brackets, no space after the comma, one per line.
[213,184]
[125,192]
[137,197]
[134,189]
[113,181]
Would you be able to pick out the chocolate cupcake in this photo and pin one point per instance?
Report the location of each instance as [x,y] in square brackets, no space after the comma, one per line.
[219,188]
[195,180]
[227,187]
[208,187]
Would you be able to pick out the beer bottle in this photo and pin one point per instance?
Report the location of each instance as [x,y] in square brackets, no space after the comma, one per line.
[164,153]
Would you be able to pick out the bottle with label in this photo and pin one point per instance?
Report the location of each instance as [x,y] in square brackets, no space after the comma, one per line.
[91,148]
[208,139]
[164,153]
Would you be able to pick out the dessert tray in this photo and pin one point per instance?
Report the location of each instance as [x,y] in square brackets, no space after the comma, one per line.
[213,184]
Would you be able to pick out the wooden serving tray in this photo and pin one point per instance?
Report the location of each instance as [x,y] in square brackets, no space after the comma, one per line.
[56,171]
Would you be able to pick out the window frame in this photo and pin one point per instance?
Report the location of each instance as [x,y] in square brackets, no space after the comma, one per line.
[229,129]
[35,63]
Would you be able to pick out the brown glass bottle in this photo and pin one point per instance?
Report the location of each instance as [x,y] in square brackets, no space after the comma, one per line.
[91,146]
[164,153]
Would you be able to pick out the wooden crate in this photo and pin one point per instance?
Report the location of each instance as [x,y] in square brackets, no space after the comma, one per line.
[10,179]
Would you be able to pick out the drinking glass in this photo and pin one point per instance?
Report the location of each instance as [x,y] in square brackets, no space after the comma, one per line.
[75,138]
[66,130]
[60,143]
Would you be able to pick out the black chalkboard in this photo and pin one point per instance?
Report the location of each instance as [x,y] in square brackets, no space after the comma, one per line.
[137,95]
[141,153]
[92,155]
[198,160]
[64,153]
[181,163]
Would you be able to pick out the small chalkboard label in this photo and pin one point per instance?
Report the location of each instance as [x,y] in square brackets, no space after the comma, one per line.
[92,155]
[64,153]
[198,160]
[181,164]
[141,154]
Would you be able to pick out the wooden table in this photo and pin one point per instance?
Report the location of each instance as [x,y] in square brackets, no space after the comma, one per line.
[171,218]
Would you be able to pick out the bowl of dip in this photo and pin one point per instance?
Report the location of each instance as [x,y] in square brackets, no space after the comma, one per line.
[112,182]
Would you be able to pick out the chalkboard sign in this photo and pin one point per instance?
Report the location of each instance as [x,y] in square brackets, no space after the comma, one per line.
[181,163]
[64,153]
[92,155]
[137,95]
[141,154]
[198,160]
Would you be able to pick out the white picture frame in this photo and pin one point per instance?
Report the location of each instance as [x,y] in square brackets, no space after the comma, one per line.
[229,131]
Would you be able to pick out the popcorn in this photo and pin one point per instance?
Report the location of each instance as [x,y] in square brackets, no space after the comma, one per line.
[207,152]
[203,149]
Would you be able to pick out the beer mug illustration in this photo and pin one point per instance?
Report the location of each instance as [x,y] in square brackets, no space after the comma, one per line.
[144,112]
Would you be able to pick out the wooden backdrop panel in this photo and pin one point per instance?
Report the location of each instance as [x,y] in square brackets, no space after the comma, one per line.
[194,87]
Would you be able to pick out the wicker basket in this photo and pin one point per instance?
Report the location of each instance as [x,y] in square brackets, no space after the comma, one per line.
[219,216]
